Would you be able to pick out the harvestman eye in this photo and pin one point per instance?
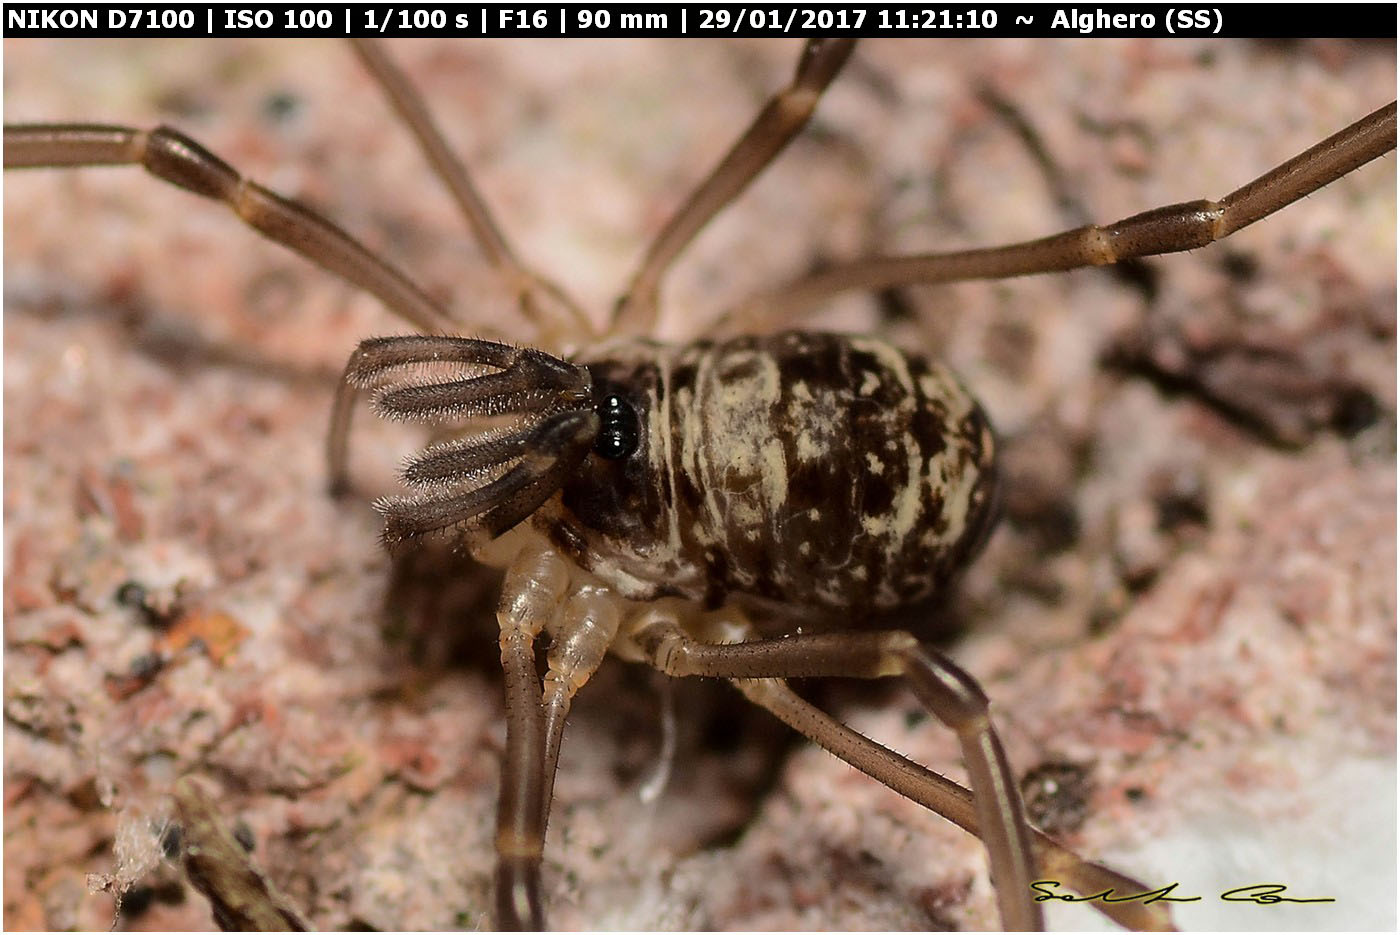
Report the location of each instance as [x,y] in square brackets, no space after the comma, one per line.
[839,477]
[617,438]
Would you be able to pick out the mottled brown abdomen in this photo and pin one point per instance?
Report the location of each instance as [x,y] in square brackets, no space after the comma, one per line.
[820,471]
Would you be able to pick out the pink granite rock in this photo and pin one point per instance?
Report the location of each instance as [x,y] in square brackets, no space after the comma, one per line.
[1200,626]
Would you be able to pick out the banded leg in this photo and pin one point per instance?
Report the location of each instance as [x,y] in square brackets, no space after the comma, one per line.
[781,119]
[945,797]
[175,158]
[545,304]
[949,693]
[996,815]
[581,622]
[534,586]
[1171,229]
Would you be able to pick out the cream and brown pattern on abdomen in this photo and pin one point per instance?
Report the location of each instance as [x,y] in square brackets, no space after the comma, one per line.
[821,471]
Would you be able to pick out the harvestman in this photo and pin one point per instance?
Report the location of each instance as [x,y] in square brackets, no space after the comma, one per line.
[516,470]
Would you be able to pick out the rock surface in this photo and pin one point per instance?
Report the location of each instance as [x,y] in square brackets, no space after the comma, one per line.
[1198,624]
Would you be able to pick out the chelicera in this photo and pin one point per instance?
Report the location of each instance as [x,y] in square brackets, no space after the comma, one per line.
[571,485]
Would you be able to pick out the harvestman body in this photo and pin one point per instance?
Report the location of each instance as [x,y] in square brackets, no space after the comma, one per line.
[660,502]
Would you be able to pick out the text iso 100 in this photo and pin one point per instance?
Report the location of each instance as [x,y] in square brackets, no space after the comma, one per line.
[256,19]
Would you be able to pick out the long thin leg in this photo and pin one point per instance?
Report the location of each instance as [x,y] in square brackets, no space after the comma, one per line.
[175,158]
[948,692]
[1171,229]
[531,288]
[519,819]
[781,119]
[947,798]
[533,588]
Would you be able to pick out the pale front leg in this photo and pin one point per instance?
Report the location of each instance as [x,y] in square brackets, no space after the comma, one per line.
[580,637]
[582,621]
[534,586]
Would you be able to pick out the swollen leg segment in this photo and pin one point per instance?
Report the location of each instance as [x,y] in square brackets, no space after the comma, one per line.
[580,637]
[534,586]
[581,620]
